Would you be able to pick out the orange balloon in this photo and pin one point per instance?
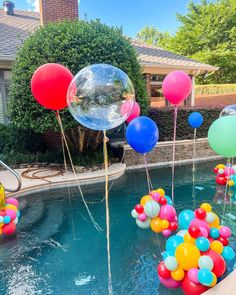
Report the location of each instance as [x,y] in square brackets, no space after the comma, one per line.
[216,222]
[161,192]
[164,224]
[10,206]
[187,256]
[145,199]
[214,280]
[178,274]
[217,246]
[156,225]
[189,239]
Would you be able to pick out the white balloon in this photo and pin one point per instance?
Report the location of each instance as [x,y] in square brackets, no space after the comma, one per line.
[171,263]
[134,213]
[16,220]
[205,262]
[152,209]
[210,217]
[143,224]
[182,232]
[234,167]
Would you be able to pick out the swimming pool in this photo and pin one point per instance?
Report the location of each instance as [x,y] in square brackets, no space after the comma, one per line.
[58,251]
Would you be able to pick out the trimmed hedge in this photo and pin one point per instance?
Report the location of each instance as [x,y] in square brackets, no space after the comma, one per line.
[215,89]
[165,122]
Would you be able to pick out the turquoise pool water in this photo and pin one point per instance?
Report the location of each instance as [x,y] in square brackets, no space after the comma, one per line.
[58,251]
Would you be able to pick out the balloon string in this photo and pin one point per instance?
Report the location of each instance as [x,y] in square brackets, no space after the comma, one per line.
[149,182]
[173,156]
[68,188]
[74,172]
[194,149]
[225,194]
[105,139]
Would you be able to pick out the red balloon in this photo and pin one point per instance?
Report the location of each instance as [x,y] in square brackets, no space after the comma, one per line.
[173,226]
[139,208]
[218,261]
[3,213]
[163,271]
[194,231]
[220,180]
[224,241]
[163,201]
[215,170]
[190,288]
[9,229]
[200,213]
[49,86]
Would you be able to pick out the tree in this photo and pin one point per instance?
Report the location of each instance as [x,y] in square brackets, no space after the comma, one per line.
[152,35]
[207,33]
[74,44]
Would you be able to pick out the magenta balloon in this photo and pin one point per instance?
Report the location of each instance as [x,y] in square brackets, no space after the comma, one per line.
[177,87]
[133,114]
[166,232]
[192,274]
[170,283]
[200,223]
[167,212]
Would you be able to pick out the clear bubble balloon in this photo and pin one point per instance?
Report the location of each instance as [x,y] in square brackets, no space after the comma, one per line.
[96,95]
[229,111]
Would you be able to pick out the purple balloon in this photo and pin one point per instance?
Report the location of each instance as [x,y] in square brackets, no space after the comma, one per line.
[192,274]
[170,283]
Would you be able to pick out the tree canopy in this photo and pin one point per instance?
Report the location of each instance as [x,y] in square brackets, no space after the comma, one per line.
[206,33]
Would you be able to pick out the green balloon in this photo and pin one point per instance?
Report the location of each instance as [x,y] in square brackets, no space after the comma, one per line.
[221,136]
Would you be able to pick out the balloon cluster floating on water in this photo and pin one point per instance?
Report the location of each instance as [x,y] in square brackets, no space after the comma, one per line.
[225,174]
[155,211]
[9,217]
[195,258]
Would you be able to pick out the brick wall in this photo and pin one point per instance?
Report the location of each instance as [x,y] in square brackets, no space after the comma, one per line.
[58,10]
[215,100]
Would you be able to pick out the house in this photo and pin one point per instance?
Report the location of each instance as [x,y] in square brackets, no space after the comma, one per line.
[15,25]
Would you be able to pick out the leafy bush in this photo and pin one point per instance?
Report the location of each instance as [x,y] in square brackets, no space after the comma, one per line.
[74,44]
[215,89]
[164,119]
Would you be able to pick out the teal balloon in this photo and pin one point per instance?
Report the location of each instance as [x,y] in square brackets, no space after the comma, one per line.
[143,224]
[169,201]
[185,218]
[214,233]
[205,277]
[228,253]
[166,254]
[171,263]
[221,136]
[202,244]
[173,242]
[205,262]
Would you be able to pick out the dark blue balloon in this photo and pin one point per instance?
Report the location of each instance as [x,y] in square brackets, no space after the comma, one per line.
[142,134]
[195,119]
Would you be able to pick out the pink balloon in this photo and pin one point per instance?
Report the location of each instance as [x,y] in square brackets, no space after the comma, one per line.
[228,171]
[177,87]
[167,212]
[225,232]
[204,232]
[134,113]
[142,217]
[201,223]
[11,213]
[156,196]
[170,283]
[9,229]
[192,274]
[12,201]
[166,232]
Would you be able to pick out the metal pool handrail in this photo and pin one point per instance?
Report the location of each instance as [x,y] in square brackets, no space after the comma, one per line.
[16,175]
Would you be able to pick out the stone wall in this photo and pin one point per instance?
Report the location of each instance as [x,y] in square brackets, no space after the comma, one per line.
[162,153]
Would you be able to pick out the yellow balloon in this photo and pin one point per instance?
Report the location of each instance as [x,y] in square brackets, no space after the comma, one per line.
[189,239]
[207,207]
[145,199]
[177,274]
[214,280]
[217,247]
[156,225]
[187,256]
[220,166]
[231,183]
[161,192]
[10,206]
[164,224]
[216,222]
[1,224]
[0,231]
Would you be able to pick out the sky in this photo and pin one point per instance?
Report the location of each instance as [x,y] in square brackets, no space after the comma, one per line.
[132,15]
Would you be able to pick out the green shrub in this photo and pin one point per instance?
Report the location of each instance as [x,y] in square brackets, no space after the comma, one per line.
[74,44]
[164,119]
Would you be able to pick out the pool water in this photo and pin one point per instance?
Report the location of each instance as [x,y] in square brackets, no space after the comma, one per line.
[57,250]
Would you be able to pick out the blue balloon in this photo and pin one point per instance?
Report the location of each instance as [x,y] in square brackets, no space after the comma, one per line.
[185,218]
[142,134]
[205,277]
[166,254]
[195,119]
[228,253]
[202,244]
[173,242]
[214,233]
[169,201]
[7,219]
